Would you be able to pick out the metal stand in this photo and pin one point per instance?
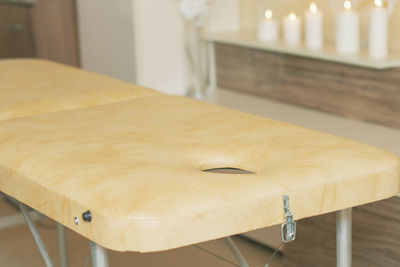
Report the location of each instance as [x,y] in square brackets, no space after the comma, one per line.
[18,219]
[62,246]
[239,257]
[212,79]
[98,255]
[36,235]
[30,216]
[343,238]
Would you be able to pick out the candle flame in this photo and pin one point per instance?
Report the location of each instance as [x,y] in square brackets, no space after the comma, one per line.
[268,14]
[292,16]
[313,7]
[347,5]
[378,3]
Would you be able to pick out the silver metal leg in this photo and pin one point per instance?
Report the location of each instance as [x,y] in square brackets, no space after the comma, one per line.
[62,246]
[212,79]
[18,219]
[239,257]
[343,238]
[98,255]
[36,235]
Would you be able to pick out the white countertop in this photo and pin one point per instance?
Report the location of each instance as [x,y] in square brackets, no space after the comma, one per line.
[249,39]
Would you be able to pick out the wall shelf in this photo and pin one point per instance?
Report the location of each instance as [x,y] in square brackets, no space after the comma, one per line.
[328,53]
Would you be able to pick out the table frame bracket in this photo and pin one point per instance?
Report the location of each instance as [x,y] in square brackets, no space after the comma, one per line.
[288,228]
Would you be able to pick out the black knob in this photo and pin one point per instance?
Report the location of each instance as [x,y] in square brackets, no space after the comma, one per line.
[87,216]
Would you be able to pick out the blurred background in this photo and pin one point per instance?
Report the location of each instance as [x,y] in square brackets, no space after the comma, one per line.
[139,41]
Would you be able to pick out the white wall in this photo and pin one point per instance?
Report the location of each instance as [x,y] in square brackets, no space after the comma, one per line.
[142,41]
[159,40]
[159,45]
[223,15]
[106,37]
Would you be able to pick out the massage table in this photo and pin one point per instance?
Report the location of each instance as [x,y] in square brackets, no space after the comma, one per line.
[131,169]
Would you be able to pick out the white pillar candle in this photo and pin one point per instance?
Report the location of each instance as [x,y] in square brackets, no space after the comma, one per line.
[378,20]
[268,28]
[314,28]
[292,29]
[347,30]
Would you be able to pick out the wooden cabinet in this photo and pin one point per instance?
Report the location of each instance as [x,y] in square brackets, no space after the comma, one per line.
[55,31]
[354,92]
[15,31]
[44,28]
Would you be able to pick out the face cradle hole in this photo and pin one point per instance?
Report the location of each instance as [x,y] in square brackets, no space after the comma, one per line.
[228,170]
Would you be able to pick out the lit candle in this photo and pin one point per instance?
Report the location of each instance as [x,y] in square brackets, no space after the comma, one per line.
[292,29]
[314,29]
[347,30]
[378,20]
[268,28]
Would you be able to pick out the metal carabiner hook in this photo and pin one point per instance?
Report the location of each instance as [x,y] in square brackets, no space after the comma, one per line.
[288,228]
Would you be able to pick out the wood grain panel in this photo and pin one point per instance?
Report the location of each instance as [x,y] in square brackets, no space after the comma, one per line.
[15,31]
[55,31]
[376,239]
[354,92]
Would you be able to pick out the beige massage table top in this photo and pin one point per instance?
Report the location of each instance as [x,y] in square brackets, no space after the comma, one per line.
[137,165]
[31,86]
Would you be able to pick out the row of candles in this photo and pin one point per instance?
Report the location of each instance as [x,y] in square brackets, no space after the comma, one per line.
[347,29]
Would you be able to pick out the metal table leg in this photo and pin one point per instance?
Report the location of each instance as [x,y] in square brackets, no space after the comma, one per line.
[98,255]
[236,252]
[36,235]
[62,246]
[18,219]
[343,238]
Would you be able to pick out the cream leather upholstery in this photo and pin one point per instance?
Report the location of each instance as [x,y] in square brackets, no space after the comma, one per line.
[31,86]
[137,165]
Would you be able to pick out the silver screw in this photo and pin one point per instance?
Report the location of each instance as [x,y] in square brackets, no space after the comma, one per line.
[76,220]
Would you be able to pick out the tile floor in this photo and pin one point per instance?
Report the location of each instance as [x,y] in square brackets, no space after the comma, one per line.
[17,249]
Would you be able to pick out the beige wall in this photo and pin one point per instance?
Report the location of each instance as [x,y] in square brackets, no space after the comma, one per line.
[159,40]
[142,40]
[223,15]
[159,46]
[249,11]
[106,37]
